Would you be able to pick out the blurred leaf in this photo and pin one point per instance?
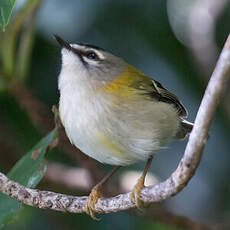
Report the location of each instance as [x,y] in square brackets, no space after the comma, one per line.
[2,83]
[6,7]
[10,37]
[25,47]
[28,171]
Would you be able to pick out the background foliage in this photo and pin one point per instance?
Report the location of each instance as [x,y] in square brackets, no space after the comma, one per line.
[158,37]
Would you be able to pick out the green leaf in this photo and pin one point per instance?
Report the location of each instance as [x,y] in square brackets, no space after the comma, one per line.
[6,8]
[28,171]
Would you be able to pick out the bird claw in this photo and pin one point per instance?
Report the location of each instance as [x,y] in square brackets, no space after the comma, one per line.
[92,201]
[135,195]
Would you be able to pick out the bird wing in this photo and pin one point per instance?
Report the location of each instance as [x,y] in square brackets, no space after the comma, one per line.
[166,96]
[154,89]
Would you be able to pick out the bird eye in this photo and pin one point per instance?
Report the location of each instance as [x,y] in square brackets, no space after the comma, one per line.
[91,55]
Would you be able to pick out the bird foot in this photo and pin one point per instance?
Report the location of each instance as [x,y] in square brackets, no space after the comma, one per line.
[92,201]
[135,195]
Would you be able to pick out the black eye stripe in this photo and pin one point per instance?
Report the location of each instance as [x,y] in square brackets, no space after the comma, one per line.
[86,54]
[79,54]
[91,55]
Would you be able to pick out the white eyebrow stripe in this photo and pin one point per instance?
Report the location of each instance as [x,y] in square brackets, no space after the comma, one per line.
[75,46]
[88,49]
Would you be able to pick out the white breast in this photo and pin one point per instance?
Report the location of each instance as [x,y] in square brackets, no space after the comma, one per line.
[107,134]
[82,112]
[133,135]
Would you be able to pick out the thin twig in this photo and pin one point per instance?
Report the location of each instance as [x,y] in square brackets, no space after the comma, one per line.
[204,14]
[174,184]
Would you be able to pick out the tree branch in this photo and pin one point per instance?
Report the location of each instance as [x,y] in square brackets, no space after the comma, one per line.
[204,14]
[174,184]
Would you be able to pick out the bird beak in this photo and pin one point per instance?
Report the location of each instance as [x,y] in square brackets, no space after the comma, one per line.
[63,43]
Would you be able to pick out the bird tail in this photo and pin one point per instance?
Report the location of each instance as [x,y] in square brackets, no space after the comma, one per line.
[185,129]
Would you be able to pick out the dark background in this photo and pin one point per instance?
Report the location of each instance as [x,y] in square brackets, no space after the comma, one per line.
[176,42]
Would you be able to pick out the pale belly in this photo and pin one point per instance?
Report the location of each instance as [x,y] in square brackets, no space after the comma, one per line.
[121,138]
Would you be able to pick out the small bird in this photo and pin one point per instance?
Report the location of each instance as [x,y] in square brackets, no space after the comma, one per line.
[114,113]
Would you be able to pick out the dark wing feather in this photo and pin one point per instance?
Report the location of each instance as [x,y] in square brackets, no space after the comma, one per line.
[155,90]
[166,96]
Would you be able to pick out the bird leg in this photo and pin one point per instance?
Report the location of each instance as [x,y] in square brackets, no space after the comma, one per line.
[95,194]
[135,195]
